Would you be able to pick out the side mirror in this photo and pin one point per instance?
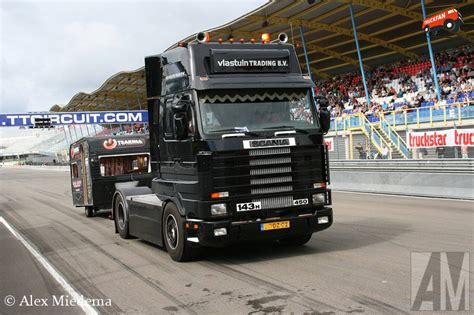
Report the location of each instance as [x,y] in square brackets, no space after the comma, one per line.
[181,106]
[324,115]
[324,120]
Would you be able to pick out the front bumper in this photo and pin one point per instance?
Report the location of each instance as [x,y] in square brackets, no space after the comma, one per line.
[251,230]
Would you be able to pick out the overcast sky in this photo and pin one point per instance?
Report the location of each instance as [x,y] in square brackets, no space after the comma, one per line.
[50,50]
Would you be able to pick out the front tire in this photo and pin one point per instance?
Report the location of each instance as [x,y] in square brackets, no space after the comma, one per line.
[296,240]
[174,237]
[121,217]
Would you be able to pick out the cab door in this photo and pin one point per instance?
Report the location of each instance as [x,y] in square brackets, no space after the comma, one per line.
[177,137]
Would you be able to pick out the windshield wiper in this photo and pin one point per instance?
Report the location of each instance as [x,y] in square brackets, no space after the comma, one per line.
[236,130]
[288,127]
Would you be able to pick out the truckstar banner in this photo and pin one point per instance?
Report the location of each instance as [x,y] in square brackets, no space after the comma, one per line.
[330,143]
[74,118]
[441,138]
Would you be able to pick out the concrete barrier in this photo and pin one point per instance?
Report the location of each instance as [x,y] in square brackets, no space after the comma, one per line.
[428,178]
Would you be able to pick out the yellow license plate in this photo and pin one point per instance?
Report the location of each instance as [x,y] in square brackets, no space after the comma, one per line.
[275,225]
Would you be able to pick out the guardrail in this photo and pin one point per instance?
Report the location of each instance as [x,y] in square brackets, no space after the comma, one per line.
[465,166]
[453,112]
[429,178]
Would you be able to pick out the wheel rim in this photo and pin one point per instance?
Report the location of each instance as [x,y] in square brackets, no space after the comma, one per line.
[427,29]
[172,232]
[121,216]
[449,25]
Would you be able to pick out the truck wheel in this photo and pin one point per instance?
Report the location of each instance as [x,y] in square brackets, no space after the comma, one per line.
[449,24]
[296,240]
[426,29]
[174,237]
[89,211]
[121,217]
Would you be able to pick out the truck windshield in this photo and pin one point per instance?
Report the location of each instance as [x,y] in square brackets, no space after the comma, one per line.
[250,111]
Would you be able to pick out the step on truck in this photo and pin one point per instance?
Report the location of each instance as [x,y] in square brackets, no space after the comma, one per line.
[237,151]
[98,164]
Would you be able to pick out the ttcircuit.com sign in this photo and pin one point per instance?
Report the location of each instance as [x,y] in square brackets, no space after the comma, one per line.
[76,118]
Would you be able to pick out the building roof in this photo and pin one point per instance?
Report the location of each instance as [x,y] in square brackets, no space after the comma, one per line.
[388,31]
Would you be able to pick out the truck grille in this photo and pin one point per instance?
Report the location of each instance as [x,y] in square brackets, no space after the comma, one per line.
[267,171]
[273,170]
[270,180]
[269,151]
[275,202]
[269,190]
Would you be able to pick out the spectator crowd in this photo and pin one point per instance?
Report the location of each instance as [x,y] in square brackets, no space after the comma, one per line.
[403,85]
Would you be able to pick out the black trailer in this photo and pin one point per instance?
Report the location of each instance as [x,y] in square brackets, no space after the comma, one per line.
[237,150]
[97,164]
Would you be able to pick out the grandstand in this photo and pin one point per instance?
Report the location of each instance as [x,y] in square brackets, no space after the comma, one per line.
[405,85]
[27,145]
[37,146]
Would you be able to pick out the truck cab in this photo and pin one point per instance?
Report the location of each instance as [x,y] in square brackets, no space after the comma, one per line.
[237,151]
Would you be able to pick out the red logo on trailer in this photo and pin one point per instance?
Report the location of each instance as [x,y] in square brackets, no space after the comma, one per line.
[110,144]
[450,20]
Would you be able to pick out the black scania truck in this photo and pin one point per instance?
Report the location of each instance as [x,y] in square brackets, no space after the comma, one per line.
[237,150]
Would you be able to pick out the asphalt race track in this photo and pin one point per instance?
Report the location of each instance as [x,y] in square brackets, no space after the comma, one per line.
[360,265]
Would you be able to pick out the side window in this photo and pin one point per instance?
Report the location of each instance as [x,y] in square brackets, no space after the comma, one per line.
[120,165]
[168,119]
[175,78]
[191,122]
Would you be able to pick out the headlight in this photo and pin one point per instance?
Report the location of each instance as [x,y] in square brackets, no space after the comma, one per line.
[323,220]
[318,198]
[219,209]
[220,232]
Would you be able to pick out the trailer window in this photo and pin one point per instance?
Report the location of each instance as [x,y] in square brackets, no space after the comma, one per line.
[74,171]
[120,165]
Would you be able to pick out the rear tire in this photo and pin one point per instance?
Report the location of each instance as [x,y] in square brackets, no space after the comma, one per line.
[177,246]
[121,217]
[89,211]
[296,240]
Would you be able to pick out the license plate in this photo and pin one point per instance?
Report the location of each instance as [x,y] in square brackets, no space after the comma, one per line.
[275,225]
[249,206]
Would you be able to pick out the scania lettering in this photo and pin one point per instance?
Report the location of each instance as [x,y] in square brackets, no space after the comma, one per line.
[236,147]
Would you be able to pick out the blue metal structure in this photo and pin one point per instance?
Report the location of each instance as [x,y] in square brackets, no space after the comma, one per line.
[433,64]
[306,58]
[356,39]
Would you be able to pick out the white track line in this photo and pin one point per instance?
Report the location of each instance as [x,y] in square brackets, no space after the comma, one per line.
[86,307]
